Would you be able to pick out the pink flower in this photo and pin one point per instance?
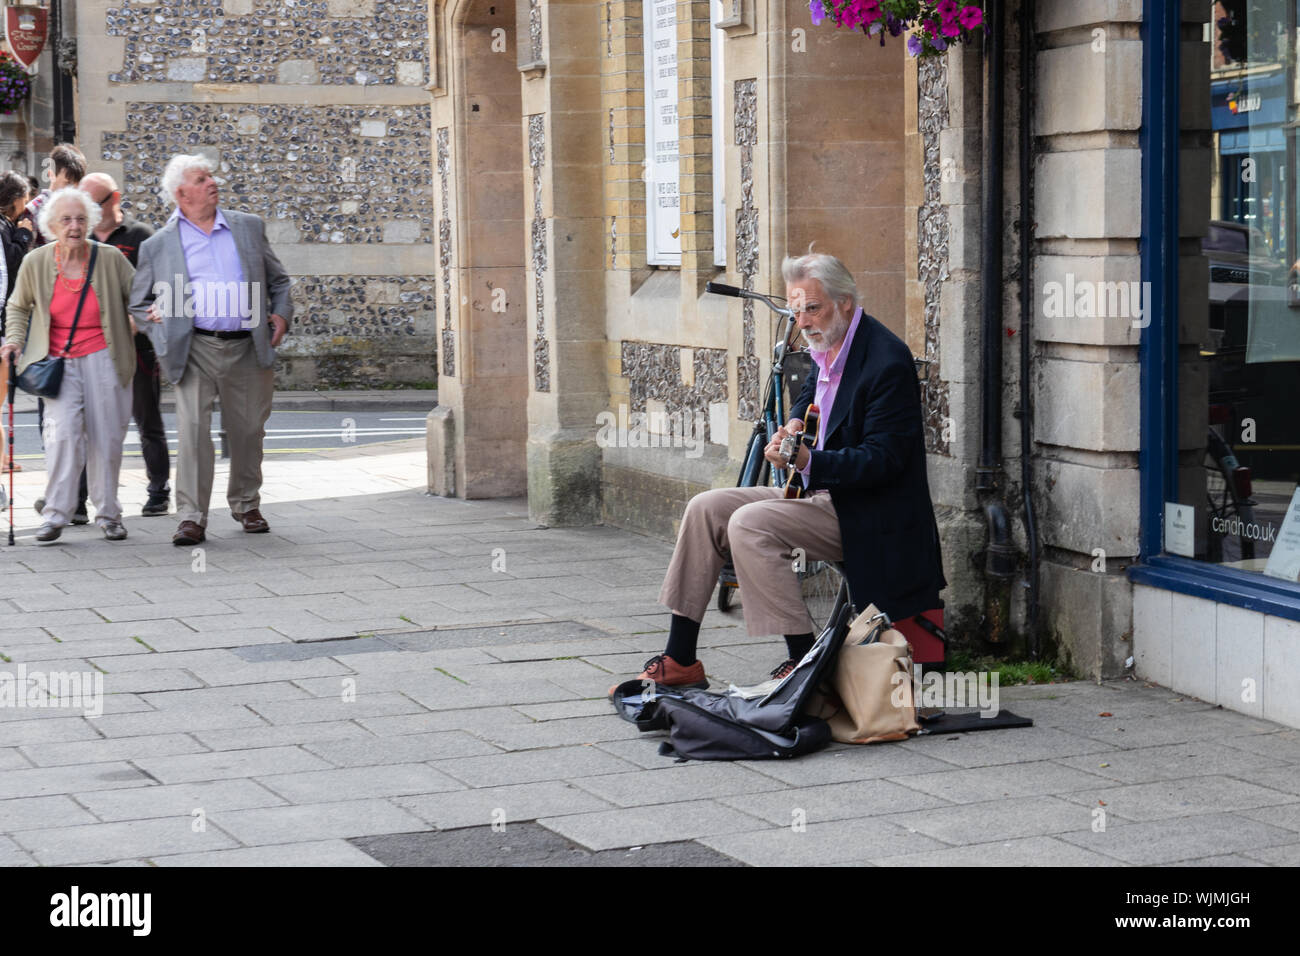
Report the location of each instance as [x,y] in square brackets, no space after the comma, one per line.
[947,9]
[928,27]
[950,28]
[971,17]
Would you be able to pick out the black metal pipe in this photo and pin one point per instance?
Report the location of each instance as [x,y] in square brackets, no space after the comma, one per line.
[991,255]
[1026,315]
[65,121]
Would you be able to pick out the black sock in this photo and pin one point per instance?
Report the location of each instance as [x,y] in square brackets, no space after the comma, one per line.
[683,634]
[798,645]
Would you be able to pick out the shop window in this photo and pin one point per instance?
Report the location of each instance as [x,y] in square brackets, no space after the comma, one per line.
[1237,503]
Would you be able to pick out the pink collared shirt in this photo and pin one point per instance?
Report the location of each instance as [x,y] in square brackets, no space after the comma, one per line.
[828,383]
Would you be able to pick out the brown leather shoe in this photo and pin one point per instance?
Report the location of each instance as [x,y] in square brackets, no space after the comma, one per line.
[662,669]
[252,521]
[190,532]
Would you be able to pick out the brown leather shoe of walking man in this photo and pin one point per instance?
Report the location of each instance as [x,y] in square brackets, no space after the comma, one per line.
[189,533]
[252,521]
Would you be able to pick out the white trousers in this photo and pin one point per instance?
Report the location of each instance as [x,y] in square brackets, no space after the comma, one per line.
[85,427]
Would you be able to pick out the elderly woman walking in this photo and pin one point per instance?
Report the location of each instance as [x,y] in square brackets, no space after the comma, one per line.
[70,301]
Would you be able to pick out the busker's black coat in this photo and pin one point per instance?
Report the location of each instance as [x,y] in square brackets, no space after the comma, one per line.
[873,465]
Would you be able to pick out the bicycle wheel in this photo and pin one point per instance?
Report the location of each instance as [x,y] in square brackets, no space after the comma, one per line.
[1224,503]
[820,583]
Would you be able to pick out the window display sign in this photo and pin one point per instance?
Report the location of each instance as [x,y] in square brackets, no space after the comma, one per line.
[663,212]
[1284,561]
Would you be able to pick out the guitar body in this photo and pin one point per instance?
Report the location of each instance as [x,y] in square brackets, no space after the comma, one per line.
[812,422]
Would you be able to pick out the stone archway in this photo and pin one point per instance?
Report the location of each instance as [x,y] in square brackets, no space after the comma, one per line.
[483,389]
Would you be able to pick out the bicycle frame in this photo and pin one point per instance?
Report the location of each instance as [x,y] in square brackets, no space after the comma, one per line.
[773,414]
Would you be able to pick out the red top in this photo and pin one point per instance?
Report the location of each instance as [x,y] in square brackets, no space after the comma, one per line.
[90,333]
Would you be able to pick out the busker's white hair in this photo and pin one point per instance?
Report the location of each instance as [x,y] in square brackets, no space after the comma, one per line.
[826,269]
[61,197]
[176,169]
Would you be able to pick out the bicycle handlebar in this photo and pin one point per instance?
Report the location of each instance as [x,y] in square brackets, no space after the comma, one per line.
[718,288]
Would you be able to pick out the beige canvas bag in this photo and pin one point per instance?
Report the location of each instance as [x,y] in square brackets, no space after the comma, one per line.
[874,683]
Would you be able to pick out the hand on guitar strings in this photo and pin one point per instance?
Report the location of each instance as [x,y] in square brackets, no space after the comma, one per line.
[773,450]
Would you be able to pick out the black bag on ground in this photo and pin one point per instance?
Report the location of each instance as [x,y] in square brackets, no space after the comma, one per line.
[732,726]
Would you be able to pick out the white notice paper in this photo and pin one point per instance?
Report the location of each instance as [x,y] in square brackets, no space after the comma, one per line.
[1180,529]
[1284,560]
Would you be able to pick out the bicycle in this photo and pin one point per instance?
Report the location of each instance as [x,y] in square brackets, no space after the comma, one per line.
[822,583]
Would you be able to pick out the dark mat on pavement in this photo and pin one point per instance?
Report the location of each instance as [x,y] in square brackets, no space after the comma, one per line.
[949,723]
[524,844]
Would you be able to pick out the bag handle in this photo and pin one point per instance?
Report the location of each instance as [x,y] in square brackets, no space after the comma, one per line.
[90,271]
[881,621]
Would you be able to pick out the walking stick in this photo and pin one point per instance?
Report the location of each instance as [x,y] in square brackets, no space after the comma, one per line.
[13,385]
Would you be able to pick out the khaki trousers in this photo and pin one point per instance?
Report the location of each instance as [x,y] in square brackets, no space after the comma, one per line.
[760,530]
[225,369]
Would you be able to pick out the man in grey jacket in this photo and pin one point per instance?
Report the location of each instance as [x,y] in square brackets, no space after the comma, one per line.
[216,300]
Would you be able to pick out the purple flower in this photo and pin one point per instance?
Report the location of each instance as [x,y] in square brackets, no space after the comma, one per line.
[914,45]
[817,11]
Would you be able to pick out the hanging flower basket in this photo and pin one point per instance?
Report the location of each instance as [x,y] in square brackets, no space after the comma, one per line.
[15,84]
[936,25]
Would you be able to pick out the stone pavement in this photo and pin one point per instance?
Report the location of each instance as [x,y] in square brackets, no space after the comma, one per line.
[393,678]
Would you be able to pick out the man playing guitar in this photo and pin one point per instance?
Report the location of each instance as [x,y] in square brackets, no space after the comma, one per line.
[864,500]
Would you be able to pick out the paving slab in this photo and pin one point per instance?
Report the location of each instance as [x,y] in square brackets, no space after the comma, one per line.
[1177,798]
[108,842]
[408,748]
[223,764]
[1005,819]
[102,750]
[54,780]
[526,845]
[319,853]
[676,783]
[529,766]
[177,800]
[819,843]
[1029,851]
[978,784]
[484,806]
[639,826]
[31,813]
[316,821]
[358,783]
[836,801]
[1172,761]
[1184,838]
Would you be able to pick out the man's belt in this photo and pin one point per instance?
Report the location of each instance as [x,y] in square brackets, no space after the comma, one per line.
[240,334]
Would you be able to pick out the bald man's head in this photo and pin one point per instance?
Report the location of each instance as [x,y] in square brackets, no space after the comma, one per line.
[99,185]
[102,189]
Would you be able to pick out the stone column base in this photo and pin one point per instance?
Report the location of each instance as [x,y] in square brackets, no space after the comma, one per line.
[440,444]
[564,481]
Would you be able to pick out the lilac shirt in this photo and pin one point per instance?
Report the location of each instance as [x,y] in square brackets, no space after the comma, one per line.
[828,383]
[221,302]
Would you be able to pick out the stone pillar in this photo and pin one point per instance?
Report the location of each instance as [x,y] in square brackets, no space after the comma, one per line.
[479,200]
[564,134]
[1088,224]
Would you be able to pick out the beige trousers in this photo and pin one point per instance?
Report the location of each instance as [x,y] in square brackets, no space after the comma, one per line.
[85,427]
[760,530]
[225,369]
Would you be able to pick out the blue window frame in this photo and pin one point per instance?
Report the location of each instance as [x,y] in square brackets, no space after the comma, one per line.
[1158,459]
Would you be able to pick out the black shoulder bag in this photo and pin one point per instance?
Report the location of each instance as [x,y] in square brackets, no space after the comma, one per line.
[44,377]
